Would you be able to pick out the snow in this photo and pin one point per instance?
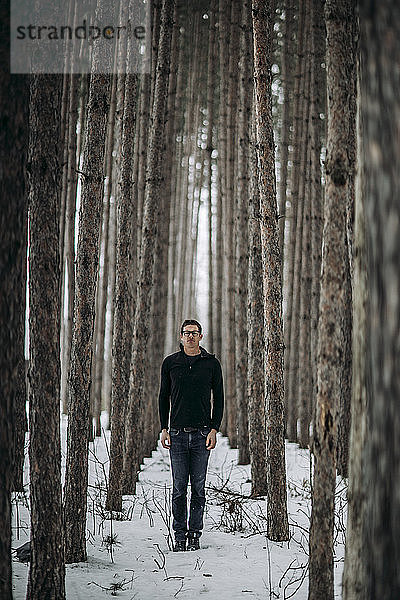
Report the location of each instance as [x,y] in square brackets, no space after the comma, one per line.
[229,565]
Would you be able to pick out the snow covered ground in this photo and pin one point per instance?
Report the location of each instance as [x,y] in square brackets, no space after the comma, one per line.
[236,560]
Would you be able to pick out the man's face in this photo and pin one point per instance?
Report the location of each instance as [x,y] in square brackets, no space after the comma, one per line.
[191,337]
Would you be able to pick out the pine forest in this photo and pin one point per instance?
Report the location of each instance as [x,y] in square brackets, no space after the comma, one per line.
[247,176]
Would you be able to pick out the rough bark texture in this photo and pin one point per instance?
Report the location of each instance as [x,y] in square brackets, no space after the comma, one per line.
[76,477]
[256,342]
[339,22]
[210,117]
[291,321]
[47,571]
[355,572]
[124,301]
[228,340]
[304,342]
[346,379]
[152,200]
[241,229]
[380,109]
[318,108]
[277,519]
[13,155]
[69,244]
[287,80]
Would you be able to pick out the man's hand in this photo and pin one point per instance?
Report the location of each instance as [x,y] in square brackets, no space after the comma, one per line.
[165,439]
[211,439]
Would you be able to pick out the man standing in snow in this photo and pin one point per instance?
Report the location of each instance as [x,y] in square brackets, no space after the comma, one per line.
[187,379]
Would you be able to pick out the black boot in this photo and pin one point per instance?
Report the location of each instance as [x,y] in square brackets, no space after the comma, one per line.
[193,543]
[180,546]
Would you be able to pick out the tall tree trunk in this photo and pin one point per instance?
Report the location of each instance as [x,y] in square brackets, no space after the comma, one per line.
[256,343]
[241,230]
[223,39]
[355,570]
[152,200]
[287,84]
[339,17]
[291,318]
[277,519]
[124,298]
[76,478]
[69,244]
[14,95]
[380,106]
[318,108]
[210,118]
[102,283]
[346,380]
[228,352]
[304,279]
[47,571]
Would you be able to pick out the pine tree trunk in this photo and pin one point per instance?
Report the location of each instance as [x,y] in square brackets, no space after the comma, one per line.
[241,230]
[14,95]
[210,118]
[223,33]
[47,571]
[355,571]
[287,84]
[152,200]
[380,106]
[124,300]
[318,107]
[346,382]
[103,279]
[291,320]
[339,23]
[256,345]
[304,280]
[277,519]
[228,351]
[69,244]
[76,478]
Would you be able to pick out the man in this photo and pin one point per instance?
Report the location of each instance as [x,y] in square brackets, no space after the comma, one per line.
[187,379]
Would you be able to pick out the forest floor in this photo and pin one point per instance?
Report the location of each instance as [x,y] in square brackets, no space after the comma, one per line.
[132,558]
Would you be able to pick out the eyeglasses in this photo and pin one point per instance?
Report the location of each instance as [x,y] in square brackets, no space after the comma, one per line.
[193,333]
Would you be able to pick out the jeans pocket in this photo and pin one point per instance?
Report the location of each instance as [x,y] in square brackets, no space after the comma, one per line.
[205,431]
[173,431]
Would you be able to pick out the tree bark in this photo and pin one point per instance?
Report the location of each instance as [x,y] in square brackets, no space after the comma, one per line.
[241,230]
[124,299]
[69,244]
[355,571]
[256,343]
[339,18]
[318,108]
[47,571]
[277,519]
[14,95]
[291,320]
[380,105]
[76,478]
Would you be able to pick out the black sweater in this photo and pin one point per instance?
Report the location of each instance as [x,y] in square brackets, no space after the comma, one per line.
[185,390]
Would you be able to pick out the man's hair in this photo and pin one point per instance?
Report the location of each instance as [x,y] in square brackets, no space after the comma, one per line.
[190,322]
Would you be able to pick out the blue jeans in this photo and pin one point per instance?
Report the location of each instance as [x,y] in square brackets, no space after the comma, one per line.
[189,459]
